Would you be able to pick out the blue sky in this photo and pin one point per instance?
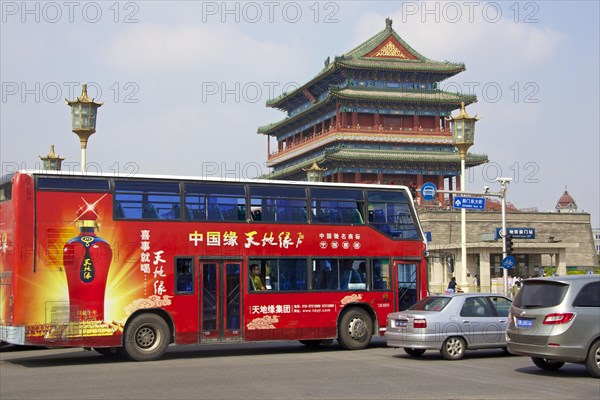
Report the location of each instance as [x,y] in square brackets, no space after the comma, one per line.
[184,84]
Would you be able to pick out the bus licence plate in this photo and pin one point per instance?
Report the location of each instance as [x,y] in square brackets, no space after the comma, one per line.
[524,323]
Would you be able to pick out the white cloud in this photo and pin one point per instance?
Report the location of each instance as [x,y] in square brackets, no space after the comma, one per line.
[155,48]
[441,36]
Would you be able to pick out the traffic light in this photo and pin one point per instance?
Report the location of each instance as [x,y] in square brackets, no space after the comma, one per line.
[509,244]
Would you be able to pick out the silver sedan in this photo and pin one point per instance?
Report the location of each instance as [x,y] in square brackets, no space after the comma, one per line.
[451,323]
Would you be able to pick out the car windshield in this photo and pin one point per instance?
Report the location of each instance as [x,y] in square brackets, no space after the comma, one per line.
[433,303]
[538,294]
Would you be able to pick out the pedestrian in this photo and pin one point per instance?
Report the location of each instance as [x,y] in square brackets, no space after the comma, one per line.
[515,288]
[475,280]
[451,285]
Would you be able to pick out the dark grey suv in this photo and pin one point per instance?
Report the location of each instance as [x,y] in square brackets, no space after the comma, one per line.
[557,320]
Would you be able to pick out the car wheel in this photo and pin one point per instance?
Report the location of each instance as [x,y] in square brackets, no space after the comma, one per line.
[454,348]
[593,360]
[414,352]
[547,365]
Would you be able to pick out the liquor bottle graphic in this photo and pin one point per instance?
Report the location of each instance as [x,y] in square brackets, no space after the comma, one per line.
[87,259]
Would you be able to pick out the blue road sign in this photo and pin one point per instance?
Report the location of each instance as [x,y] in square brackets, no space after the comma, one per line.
[473,203]
[428,191]
[517,233]
[508,262]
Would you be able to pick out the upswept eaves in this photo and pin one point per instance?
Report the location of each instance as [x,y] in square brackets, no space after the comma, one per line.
[366,93]
[357,59]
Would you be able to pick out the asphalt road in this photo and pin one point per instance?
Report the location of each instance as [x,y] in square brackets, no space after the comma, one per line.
[285,371]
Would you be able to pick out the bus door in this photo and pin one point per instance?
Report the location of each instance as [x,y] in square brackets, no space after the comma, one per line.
[220,300]
[407,283]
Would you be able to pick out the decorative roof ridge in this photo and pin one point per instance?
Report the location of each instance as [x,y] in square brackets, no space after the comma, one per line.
[375,40]
[337,88]
[358,53]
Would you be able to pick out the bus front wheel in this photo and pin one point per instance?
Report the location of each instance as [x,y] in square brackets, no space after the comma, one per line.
[146,338]
[355,329]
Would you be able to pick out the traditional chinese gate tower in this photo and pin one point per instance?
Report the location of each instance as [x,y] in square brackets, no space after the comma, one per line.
[374,114]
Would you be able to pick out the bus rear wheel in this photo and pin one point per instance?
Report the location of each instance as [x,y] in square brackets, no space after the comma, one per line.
[146,338]
[355,329]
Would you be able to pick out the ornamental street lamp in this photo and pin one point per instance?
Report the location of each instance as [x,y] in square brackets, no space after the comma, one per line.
[314,173]
[52,162]
[463,134]
[83,112]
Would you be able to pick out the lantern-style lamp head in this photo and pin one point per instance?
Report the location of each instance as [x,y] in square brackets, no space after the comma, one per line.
[314,173]
[463,129]
[83,112]
[52,162]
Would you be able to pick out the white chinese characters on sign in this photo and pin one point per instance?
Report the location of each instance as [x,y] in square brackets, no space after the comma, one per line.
[283,240]
[271,309]
[336,240]
[152,263]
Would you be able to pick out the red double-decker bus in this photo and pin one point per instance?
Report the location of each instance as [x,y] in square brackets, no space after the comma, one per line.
[133,264]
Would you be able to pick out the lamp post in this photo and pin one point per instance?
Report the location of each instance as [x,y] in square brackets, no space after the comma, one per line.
[314,173]
[463,133]
[83,112]
[504,186]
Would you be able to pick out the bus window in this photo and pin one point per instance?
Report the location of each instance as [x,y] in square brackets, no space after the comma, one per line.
[389,212]
[214,202]
[381,274]
[342,274]
[70,183]
[292,274]
[147,200]
[184,275]
[6,191]
[325,274]
[341,206]
[407,285]
[278,203]
[283,274]
[353,274]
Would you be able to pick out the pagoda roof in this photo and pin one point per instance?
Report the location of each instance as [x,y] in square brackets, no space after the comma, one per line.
[267,129]
[375,136]
[407,96]
[384,51]
[341,154]
[404,155]
[404,95]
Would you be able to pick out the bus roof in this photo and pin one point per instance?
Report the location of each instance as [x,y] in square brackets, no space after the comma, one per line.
[8,177]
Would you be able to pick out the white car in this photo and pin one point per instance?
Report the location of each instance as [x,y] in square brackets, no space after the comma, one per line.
[451,324]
